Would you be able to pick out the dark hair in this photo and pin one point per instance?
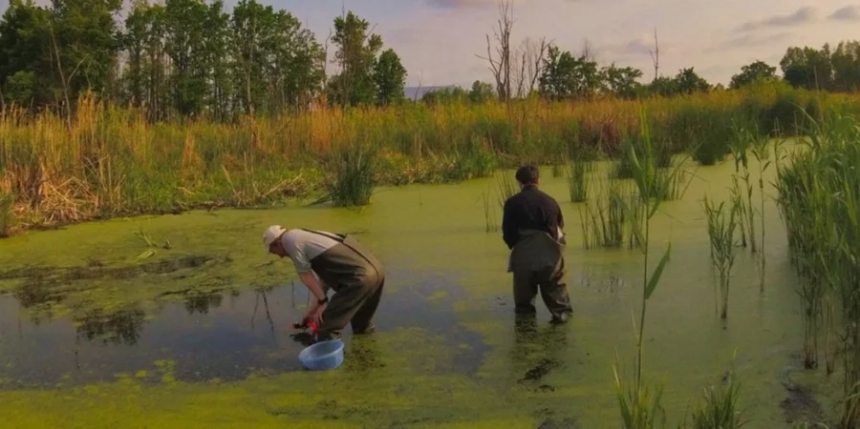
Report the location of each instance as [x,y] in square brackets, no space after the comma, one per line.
[528,175]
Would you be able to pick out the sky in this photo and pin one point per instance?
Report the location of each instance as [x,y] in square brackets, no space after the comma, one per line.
[439,41]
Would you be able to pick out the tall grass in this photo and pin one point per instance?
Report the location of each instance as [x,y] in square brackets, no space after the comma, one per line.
[606,218]
[818,197]
[720,407]
[7,217]
[640,406]
[350,177]
[108,160]
[577,178]
[741,143]
[489,214]
[506,187]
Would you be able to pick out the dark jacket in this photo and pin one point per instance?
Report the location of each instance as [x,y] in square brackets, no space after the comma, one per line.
[530,209]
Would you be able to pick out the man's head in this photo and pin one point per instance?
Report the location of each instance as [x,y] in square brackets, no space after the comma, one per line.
[272,240]
[528,176]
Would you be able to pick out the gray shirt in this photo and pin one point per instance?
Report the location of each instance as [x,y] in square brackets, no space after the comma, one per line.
[302,246]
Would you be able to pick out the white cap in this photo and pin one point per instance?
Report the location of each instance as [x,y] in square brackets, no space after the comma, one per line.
[271,234]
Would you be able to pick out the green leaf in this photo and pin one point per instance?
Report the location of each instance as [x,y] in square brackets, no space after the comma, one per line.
[658,272]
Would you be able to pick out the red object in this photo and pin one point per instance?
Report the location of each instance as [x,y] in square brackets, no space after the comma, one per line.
[313,327]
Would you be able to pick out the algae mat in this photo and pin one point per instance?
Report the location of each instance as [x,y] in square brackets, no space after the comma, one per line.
[182,321]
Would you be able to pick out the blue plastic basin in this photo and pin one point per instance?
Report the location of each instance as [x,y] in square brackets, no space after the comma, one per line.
[322,355]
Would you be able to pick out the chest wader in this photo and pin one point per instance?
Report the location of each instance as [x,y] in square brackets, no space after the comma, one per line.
[357,278]
[537,260]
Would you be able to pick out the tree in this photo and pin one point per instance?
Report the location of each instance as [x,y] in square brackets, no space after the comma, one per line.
[757,71]
[807,67]
[556,81]
[530,56]
[846,66]
[564,76]
[186,46]
[26,74]
[481,92]
[356,56]
[85,43]
[447,96]
[688,82]
[621,81]
[390,78]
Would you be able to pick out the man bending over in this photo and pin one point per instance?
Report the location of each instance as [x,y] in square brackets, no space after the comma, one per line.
[332,261]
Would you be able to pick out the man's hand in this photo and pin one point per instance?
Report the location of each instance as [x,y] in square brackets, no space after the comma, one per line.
[315,313]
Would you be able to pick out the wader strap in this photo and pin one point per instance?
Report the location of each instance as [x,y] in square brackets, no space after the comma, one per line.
[335,237]
[341,238]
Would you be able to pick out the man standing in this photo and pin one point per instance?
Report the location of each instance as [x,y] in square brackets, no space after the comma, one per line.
[332,261]
[532,227]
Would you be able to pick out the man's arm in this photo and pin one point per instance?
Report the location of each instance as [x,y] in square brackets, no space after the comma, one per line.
[510,230]
[311,281]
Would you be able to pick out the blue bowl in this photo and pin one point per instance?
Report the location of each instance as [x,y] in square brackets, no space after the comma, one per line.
[322,355]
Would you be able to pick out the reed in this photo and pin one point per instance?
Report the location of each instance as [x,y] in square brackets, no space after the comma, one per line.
[720,408]
[489,214]
[577,177]
[721,232]
[350,180]
[742,142]
[607,215]
[506,187]
[761,153]
[818,195]
[640,407]
[7,217]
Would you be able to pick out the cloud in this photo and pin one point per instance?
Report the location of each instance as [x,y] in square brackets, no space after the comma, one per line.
[802,16]
[640,46]
[749,41]
[459,4]
[847,13]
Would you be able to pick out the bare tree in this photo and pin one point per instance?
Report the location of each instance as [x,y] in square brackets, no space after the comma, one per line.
[418,89]
[655,56]
[530,56]
[587,51]
[501,66]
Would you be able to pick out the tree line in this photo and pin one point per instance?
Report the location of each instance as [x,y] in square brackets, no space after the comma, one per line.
[192,58]
[189,58]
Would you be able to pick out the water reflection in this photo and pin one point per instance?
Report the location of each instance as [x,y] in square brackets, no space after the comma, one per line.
[537,350]
[118,327]
[200,302]
[200,335]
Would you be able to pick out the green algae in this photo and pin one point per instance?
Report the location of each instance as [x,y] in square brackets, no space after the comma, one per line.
[405,376]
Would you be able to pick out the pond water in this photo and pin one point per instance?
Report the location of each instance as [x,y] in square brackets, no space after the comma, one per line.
[184,321]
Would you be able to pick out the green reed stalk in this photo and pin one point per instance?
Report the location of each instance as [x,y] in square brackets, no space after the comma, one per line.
[506,187]
[489,214]
[739,205]
[720,408]
[721,231]
[587,238]
[639,409]
[762,156]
